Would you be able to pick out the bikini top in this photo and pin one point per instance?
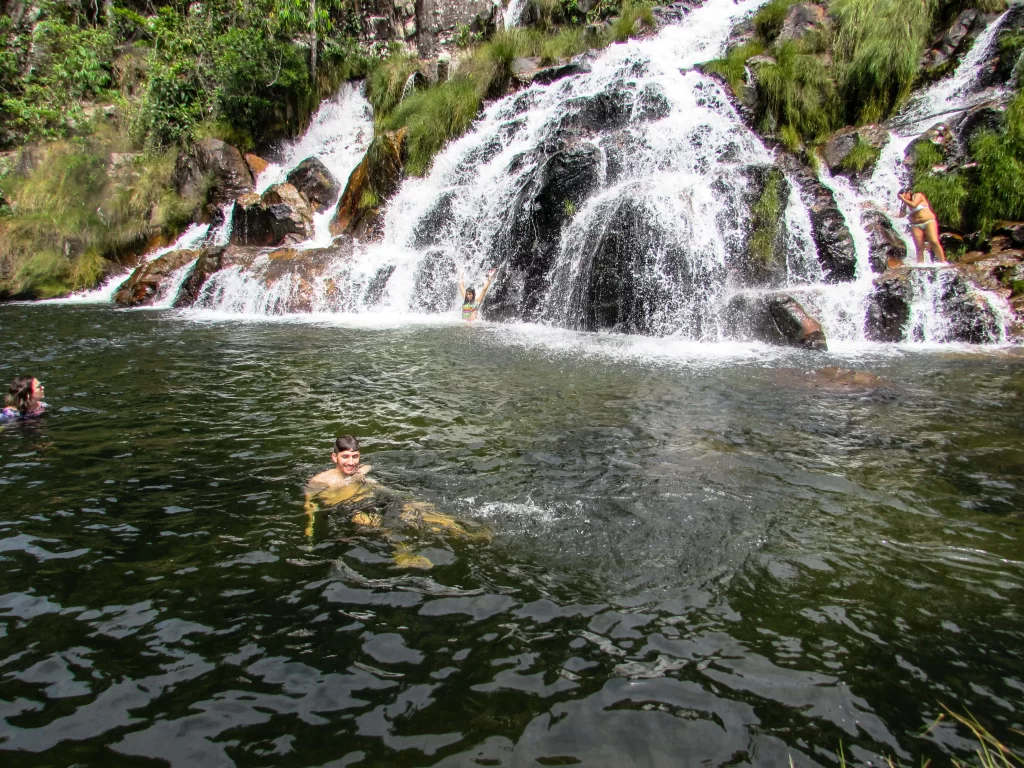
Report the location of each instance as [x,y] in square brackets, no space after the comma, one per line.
[469,311]
[920,207]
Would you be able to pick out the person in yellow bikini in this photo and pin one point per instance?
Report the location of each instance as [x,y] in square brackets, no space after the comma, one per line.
[924,226]
[347,487]
[470,303]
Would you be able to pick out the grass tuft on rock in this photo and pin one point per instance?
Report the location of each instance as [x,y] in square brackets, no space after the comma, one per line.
[766,214]
[861,157]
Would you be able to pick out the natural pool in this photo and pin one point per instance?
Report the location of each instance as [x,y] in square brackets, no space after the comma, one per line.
[701,555]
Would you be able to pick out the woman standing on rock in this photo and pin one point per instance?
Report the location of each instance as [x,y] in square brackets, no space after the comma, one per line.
[924,226]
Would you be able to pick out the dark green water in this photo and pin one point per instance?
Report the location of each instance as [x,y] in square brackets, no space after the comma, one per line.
[701,556]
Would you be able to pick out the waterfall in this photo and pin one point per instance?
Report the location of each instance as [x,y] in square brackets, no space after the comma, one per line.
[619,198]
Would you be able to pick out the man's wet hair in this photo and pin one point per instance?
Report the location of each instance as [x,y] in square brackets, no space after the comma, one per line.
[346,443]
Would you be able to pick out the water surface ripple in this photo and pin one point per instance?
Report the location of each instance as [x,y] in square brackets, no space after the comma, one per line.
[701,555]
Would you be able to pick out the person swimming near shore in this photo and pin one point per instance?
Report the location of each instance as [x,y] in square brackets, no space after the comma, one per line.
[24,399]
[924,225]
[347,488]
[470,303]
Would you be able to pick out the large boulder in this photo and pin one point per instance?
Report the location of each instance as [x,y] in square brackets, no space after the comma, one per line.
[148,282]
[281,216]
[804,20]
[854,151]
[213,162]
[528,242]
[888,310]
[369,186]
[886,248]
[836,252]
[967,313]
[773,318]
[312,178]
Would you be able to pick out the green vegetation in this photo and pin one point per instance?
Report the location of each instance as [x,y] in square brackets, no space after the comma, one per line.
[857,68]
[977,197]
[77,210]
[117,88]
[766,214]
[435,115]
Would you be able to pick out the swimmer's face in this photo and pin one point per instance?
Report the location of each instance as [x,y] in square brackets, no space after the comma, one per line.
[37,389]
[347,462]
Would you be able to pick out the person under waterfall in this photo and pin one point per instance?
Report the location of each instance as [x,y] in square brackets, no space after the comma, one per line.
[924,225]
[470,303]
[346,488]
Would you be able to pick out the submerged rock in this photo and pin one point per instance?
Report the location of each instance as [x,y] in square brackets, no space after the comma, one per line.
[145,283]
[773,318]
[316,183]
[213,162]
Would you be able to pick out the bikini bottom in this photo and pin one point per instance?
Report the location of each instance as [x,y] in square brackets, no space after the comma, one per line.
[922,224]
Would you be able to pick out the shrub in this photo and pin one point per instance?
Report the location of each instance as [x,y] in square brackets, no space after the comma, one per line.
[1000,172]
[768,20]
[797,92]
[878,46]
[734,66]
[861,157]
[433,117]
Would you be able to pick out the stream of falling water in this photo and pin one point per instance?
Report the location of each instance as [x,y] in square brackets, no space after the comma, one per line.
[672,168]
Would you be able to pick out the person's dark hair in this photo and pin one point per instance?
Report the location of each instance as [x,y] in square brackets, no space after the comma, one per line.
[19,395]
[346,443]
[471,294]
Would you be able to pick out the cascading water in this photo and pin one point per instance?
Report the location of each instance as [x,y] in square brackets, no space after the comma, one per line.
[338,135]
[941,100]
[620,198]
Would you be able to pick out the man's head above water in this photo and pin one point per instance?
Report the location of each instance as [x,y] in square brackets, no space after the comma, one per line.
[346,455]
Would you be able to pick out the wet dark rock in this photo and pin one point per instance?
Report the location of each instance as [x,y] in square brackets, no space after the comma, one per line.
[969,316]
[602,112]
[651,104]
[945,51]
[281,215]
[1004,53]
[620,148]
[673,13]
[436,283]
[210,261]
[527,71]
[378,285]
[143,287]
[990,116]
[435,225]
[885,246]
[312,179]
[889,307]
[804,20]
[773,318]
[213,162]
[555,190]
[834,242]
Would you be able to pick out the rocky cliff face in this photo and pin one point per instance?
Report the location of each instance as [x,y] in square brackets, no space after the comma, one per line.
[427,27]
